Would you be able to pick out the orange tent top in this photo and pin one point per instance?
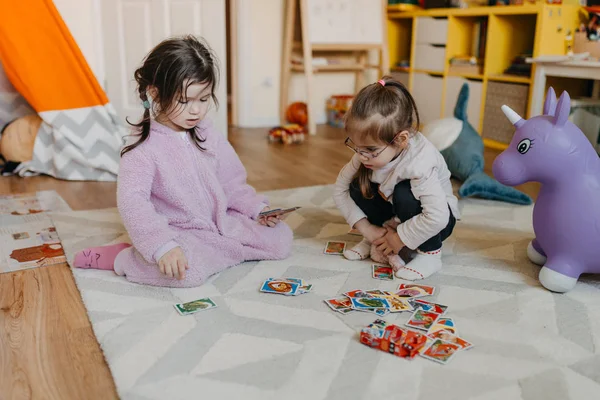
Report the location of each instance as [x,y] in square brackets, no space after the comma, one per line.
[42,60]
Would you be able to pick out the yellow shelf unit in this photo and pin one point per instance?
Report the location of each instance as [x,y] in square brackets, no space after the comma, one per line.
[538,28]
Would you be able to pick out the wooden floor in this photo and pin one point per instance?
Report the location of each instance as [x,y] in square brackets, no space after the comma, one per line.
[47,347]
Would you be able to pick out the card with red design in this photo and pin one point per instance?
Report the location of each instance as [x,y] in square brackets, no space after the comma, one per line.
[427,290]
[441,351]
[422,320]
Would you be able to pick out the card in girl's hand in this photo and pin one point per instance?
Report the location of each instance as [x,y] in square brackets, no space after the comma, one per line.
[427,290]
[195,306]
[428,306]
[441,351]
[277,212]
[336,248]
[383,272]
[451,338]
[422,320]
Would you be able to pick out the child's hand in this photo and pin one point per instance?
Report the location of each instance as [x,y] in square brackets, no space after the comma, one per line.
[269,221]
[369,231]
[390,243]
[173,264]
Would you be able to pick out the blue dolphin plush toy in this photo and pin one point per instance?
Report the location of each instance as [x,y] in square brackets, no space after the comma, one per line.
[462,148]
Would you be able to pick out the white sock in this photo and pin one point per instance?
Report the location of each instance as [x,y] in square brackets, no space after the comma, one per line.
[359,252]
[423,265]
[396,262]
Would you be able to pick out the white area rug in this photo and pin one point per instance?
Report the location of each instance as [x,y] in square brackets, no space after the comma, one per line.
[529,343]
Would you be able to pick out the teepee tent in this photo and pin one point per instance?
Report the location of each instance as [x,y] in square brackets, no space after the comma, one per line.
[79,137]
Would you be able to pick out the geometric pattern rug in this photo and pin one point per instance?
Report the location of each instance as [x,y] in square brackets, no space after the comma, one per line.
[529,343]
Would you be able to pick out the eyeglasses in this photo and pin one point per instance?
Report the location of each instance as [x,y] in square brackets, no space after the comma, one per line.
[365,153]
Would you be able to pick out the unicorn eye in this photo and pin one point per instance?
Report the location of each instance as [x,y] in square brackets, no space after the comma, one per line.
[524,146]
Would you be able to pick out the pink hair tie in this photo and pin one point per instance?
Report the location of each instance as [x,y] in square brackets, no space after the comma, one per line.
[381,82]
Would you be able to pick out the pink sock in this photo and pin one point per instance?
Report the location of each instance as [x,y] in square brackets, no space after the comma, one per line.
[99,257]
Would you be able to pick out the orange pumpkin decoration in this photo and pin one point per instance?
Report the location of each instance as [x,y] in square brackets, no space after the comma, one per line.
[297,113]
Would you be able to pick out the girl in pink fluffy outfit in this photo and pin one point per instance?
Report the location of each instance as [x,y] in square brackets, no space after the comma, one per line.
[182,191]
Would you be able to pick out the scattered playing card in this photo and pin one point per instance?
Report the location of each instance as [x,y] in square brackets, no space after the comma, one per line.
[441,351]
[422,320]
[340,304]
[335,248]
[371,302]
[450,338]
[195,306]
[446,324]
[354,232]
[280,287]
[428,290]
[304,289]
[398,304]
[410,293]
[383,272]
[376,293]
[293,280]
[357,293]
[428,306]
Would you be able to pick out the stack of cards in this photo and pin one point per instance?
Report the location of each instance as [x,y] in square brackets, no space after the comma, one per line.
[285,286]
[195,306]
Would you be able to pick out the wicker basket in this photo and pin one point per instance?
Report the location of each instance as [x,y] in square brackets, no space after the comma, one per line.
[495,124]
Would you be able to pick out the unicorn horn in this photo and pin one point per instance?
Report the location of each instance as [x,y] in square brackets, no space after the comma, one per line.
[512,116]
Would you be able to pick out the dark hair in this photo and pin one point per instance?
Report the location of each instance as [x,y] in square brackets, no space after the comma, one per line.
[381,112]
[171,67]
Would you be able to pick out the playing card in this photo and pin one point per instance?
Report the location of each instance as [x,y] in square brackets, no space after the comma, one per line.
[441,351]
[428,306]
[450,338]
[428,290]
[383,272]
[354,232]
[340,304]
[376,293]
[277,212]
[446,324]
[398,304]
[335,248]
[357,293]
[412,292]
[422,320]
[195,306]
[371,302]
[304,289]
[294,280]
[280,287]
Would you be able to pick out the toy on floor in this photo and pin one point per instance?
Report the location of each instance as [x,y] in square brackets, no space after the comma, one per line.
[287,134]
[462,148]
[566,217]
[297,113]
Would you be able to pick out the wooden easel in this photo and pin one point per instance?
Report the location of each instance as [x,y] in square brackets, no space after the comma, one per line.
[296,37]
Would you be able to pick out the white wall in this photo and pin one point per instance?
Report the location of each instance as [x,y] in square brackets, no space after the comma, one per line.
[82,17]
[260,38]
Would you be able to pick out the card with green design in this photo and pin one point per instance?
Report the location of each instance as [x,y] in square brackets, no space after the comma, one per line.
[195,306]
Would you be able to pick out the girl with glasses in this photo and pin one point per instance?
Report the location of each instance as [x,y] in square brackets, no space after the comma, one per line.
[396,189]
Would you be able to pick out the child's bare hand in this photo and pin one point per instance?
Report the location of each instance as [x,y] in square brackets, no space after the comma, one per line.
[269,221]
[390,243]
[173,264]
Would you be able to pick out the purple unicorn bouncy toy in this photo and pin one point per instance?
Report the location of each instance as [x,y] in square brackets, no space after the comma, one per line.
[566,217]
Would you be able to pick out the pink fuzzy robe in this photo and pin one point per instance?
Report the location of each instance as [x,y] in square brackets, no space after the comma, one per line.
[169,190]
